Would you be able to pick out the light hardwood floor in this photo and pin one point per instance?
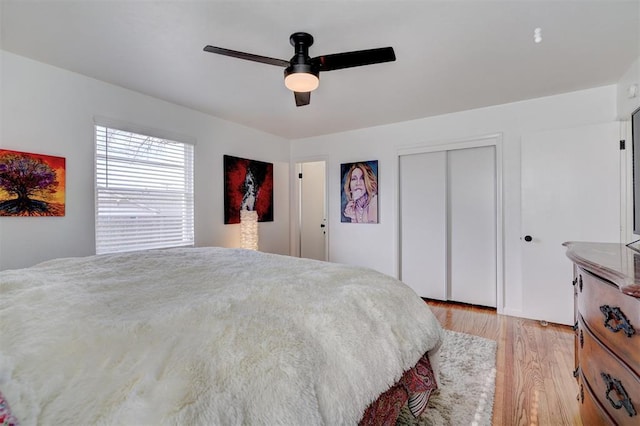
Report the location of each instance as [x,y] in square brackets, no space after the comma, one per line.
[535,363]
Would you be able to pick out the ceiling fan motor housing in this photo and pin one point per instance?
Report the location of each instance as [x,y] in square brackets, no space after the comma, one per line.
[301,63]
[302,68]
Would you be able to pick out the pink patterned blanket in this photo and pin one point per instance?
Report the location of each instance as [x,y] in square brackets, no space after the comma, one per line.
[414,388]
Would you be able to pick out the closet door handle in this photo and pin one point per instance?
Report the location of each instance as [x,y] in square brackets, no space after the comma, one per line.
[528,238]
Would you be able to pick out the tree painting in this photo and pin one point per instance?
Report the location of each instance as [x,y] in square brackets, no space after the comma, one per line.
[31,184]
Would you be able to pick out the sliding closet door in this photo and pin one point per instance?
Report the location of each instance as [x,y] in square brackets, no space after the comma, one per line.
[448,224]
[423,223]
[472,225]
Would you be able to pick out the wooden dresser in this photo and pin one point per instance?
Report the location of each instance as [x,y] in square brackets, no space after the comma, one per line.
[607,314]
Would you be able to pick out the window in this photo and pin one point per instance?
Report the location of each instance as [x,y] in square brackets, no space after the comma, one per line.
[144,192]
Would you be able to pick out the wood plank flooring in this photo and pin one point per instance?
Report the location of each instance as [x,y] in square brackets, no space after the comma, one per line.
[535,363]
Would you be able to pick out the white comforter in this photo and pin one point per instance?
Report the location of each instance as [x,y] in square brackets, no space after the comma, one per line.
[205,336]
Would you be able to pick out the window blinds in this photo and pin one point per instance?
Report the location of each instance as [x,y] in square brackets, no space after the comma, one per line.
[144,192]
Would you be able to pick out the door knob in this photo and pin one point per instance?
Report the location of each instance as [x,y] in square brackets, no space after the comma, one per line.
[322,225]
[528,238]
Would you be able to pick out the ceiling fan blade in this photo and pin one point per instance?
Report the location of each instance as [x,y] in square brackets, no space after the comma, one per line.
[302,98]
[354,59]
[247,56]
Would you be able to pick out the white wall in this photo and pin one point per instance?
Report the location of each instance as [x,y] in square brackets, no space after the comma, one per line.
[51,111]
[626,103]
[376,245]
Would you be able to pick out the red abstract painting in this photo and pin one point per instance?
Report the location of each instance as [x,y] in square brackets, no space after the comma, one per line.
[248,185]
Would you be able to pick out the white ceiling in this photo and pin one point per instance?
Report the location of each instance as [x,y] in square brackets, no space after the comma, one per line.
[451,55]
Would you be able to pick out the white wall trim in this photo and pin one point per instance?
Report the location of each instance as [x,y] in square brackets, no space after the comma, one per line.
[494,139]
[136,128]
[467,142]
[626,185]
[512,312]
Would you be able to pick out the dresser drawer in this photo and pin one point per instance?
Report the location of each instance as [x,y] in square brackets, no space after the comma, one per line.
[591,412]
[613,384]
[611,315]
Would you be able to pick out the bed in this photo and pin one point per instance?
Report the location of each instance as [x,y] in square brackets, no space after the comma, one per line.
[210,336]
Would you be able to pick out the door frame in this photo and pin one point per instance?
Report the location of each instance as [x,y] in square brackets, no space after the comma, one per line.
[495,140]
[295,207]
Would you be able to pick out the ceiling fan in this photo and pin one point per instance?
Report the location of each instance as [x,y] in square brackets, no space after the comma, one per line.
[301,73]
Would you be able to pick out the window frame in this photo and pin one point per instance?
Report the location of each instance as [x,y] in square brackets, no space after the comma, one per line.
[165,213]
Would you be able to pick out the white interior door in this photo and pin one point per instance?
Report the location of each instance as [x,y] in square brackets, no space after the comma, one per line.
[472,225]
[313,223]
[570,192]
[423,223]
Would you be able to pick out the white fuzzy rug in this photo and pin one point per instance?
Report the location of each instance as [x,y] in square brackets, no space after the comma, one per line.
[467,379]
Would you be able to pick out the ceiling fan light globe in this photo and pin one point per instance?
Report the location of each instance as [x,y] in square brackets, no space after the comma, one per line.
[301,82]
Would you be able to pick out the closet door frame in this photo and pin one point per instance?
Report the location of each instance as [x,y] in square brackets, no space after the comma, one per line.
[471,142]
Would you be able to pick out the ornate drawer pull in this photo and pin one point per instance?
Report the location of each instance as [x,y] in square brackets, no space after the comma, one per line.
[615,320]
[621,393]
[576,372]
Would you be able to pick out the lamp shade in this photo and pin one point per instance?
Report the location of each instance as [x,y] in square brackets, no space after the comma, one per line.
[301,82]
[301,78]
[249,229]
